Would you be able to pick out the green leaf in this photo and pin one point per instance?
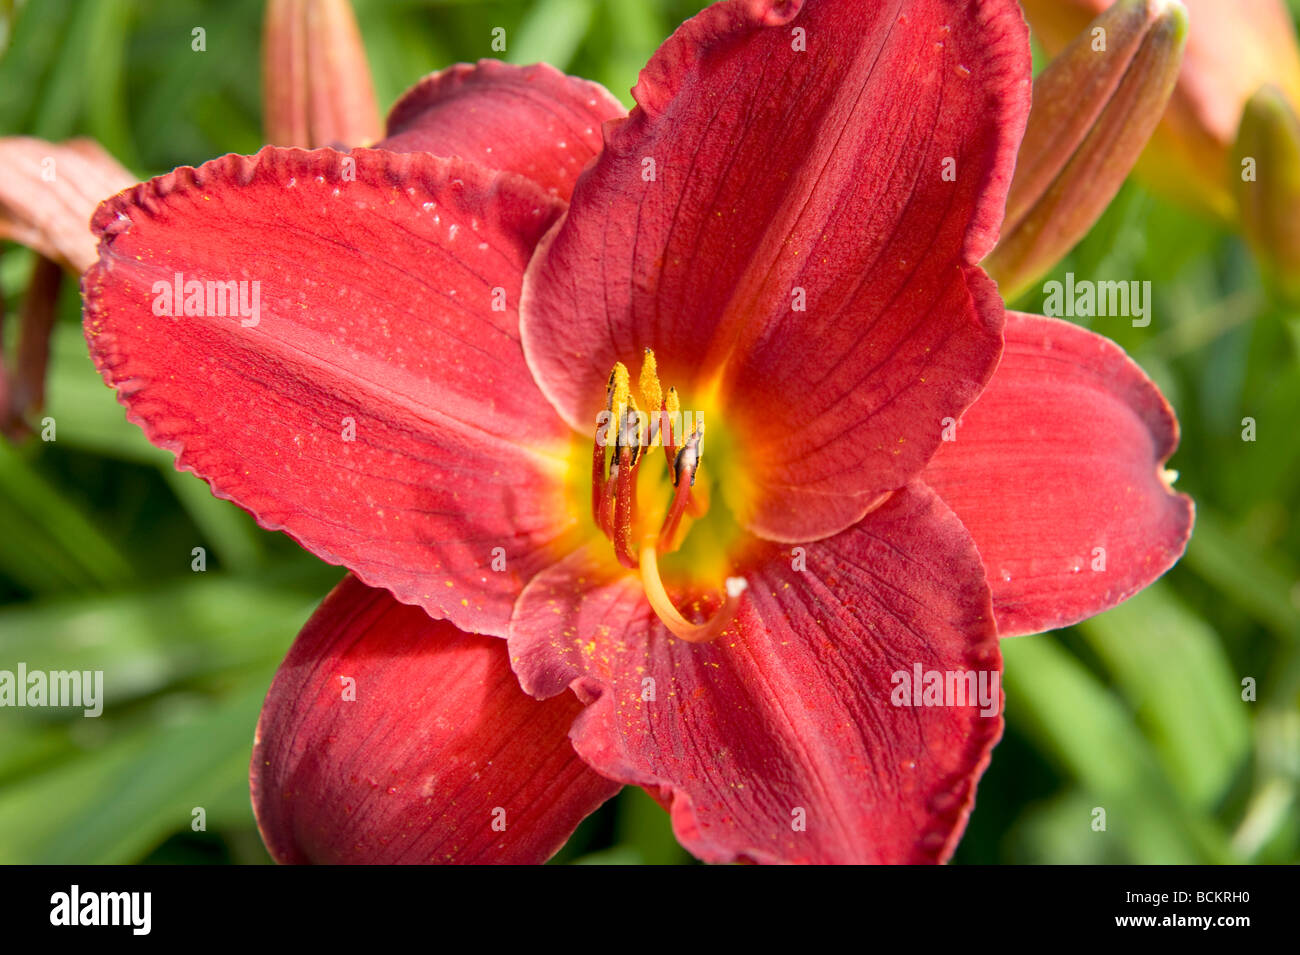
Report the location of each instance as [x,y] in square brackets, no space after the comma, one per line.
[632,28]
[1059,831]
[1080,725]
[38,33]
[103,79]
[1262,583]
[551,32]
[48,543]
[229,531]
[86,410]
[643,823]
[119,801]
[1170,667]
[146,642]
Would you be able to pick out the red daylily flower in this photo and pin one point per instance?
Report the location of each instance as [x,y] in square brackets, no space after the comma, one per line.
[453,326]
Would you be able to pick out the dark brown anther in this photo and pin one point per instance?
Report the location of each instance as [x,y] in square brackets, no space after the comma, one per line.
[609,389]
[688,458]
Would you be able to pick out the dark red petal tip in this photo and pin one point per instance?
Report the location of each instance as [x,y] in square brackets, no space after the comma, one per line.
[389,737]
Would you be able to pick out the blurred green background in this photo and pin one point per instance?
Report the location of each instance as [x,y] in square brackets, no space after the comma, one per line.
[1138,711]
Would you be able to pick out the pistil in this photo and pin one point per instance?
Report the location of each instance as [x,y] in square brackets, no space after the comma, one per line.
[667,611]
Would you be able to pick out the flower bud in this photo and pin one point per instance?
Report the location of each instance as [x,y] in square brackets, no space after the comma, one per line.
[1267,154]
[1094,109]
[1233,48]
[316,86]
[48,192]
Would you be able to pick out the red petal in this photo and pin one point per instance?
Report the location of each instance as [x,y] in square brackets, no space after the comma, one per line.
[791,708]
[435,744]
[778,170]
[532,120]
[376,321]
[1064,454]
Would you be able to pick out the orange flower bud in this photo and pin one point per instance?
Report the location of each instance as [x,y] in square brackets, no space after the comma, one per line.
[48,191]
[1234,47]
[316,86]
[1094,109]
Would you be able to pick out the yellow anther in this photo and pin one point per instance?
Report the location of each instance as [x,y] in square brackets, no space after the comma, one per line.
[619,390]
[651,392]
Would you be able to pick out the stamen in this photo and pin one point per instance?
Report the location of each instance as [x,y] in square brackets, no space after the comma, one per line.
[669,614]
[619,391]
[698,504]
[606,518]
[597,477]
[625,496]
[674,407]
[602,490]
[630,434]
[684,467]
